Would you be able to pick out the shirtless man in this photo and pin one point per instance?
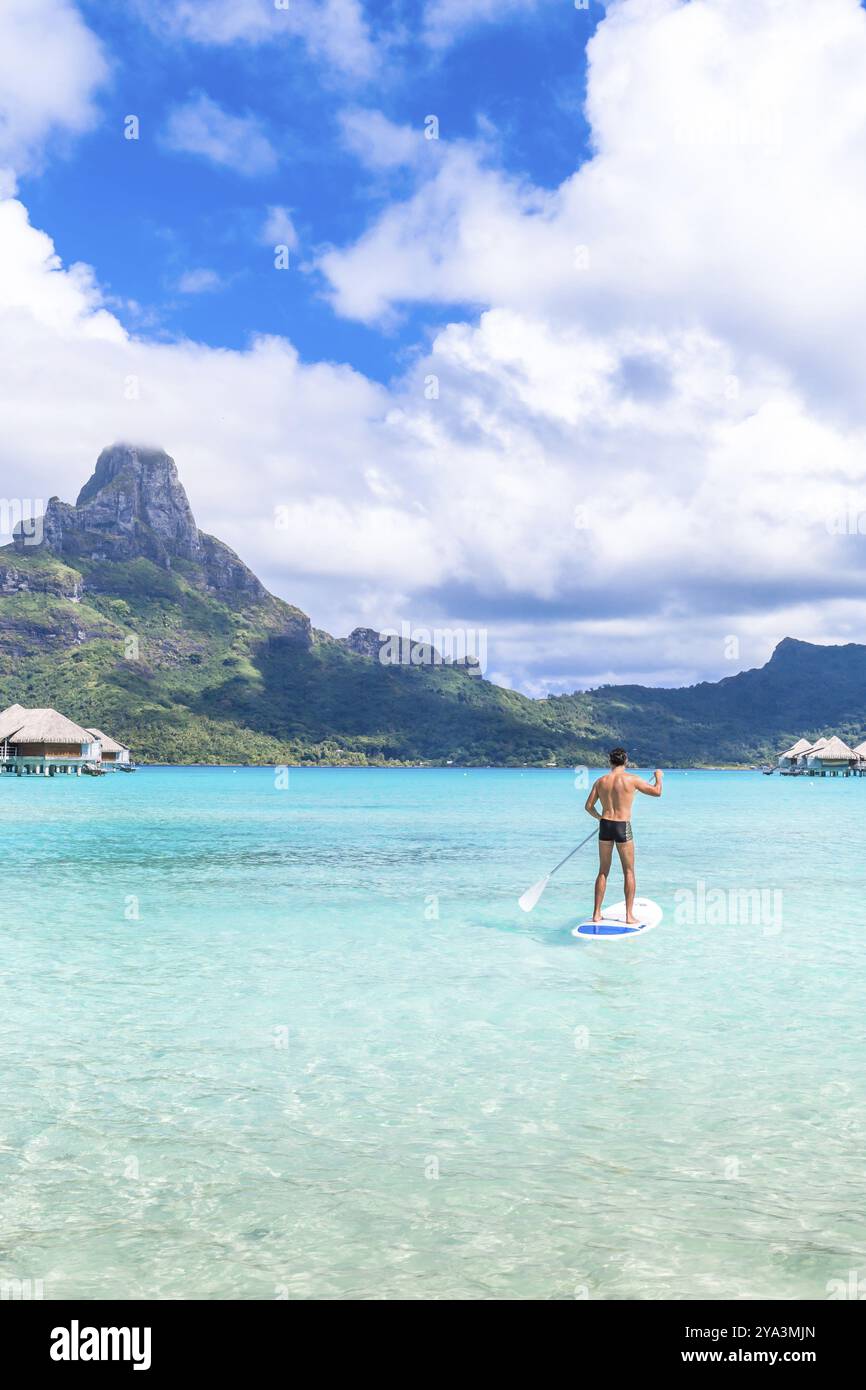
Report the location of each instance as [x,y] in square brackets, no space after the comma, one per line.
[616,792]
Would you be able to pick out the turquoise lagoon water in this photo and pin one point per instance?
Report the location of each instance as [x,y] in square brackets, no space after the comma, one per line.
[266,1043]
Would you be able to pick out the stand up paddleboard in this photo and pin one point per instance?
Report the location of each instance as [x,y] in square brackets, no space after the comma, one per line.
[613,926]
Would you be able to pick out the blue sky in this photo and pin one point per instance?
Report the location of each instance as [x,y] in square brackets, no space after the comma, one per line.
[144,215]
[585,372]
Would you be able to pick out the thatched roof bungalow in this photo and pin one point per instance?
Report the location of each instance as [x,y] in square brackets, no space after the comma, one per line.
[45,741]
[112,751]
[40,736]
[803,758]
[834,753]
[10,720]
[789,759]
[831,754]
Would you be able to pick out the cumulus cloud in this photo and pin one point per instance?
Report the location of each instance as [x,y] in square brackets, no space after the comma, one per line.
[459,239]
[728,184]
[200,126]
[51,67]
[35,289]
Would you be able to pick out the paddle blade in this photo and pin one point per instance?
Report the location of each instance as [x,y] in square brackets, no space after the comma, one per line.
[531,896]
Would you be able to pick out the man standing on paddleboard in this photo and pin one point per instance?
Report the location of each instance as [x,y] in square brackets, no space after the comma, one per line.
[615,790]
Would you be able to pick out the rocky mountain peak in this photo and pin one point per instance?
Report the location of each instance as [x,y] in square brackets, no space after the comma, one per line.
[134,506]
[134,491]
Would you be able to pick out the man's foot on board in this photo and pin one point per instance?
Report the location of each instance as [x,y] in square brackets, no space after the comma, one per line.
[632,921]
[597,918]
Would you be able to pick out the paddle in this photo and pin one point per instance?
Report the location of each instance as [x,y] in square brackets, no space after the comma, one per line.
[531,896]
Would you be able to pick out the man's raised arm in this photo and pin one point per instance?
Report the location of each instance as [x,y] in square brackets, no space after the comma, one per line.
[653,788]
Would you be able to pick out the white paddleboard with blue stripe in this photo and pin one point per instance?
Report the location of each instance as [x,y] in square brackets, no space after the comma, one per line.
[613,926]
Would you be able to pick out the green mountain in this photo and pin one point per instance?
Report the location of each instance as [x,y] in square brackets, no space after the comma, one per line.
[122,614]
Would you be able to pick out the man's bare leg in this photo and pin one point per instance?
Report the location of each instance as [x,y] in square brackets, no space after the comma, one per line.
[605,850]
[626,859]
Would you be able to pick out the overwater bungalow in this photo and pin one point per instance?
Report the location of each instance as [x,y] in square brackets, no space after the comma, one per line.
[830,756]
[789,759]
[112,751]
[833,756]
[801,762]
[44,742]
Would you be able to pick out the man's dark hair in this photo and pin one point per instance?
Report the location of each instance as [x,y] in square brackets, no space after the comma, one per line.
[618,757]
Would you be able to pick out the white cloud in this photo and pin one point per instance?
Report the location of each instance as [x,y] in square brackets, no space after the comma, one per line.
[200,281]
[279,229]
[728,184]
[467,234]
[51,67]
[335,32]
[202,127]
[378,142]
[35,290]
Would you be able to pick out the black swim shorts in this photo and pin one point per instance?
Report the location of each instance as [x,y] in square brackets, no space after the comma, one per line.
[617,830]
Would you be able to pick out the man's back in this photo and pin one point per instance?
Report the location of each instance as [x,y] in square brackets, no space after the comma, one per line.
[616,793]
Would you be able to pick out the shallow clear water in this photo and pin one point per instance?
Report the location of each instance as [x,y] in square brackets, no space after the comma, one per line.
[299,1043]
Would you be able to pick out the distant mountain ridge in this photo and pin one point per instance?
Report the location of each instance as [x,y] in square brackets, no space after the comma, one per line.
[118,610]
[803,689]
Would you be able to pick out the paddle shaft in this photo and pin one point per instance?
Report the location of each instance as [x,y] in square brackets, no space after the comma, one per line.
[574,851]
